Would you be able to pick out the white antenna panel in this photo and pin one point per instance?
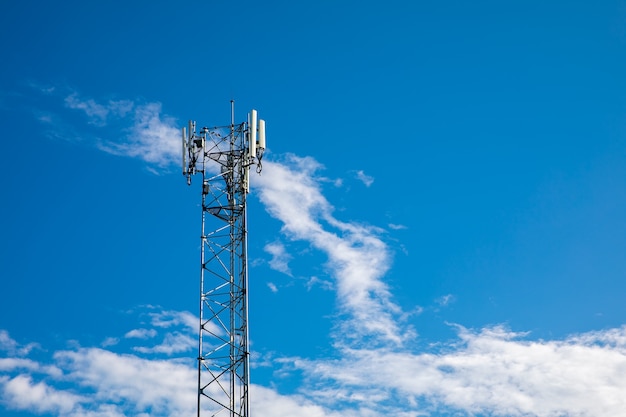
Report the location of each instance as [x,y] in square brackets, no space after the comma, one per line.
[261,133]
[253,126]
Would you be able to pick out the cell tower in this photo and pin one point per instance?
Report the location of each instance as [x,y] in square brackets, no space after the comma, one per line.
[223,156]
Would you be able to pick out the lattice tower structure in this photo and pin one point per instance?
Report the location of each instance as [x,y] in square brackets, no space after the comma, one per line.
[223,156]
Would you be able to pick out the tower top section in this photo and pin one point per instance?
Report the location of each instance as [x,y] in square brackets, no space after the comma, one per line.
[210,150]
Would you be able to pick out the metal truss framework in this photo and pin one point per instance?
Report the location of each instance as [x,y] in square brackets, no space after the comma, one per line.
[221,155]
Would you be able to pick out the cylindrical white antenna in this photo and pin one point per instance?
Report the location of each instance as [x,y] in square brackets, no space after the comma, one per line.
[184,152]
[252,141]
[232,114]
[261,134]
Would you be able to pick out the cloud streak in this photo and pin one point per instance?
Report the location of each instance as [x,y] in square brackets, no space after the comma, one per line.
[280,257]
[152,138]
[364,178]
[141,130]
[357,257]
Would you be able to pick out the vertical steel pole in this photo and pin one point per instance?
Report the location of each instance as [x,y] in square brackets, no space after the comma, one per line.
[201,312]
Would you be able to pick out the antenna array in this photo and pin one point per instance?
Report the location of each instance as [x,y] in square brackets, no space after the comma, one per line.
[222,156]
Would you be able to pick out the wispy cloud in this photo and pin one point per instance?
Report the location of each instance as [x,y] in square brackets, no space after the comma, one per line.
[97,113]
[317,282]
[356,254]
[445,300]
[13,348]
[141,333]
[181,328]
[161,318]
[141,129]
[365,179]
[110,341]
[172,343]
[280,257]
[152,138]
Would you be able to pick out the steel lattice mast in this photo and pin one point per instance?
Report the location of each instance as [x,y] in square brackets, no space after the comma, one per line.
[223,156]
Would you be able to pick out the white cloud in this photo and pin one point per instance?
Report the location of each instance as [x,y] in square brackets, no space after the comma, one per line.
[6,342]
[141,333]
[365,179]
[110,341]
[152,138]
[490,372]
[356,255]
[181,330]
[10,364]
[172,343]
[315,281]
[280,257]
[121,107]
[273,288]
[143,132]
[97,113]
[12,347]
[24,394]
[168,318]
[445,300]
[163,386]
[267,402]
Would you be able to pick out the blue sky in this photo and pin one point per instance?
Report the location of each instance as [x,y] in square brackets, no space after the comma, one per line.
[439,228]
